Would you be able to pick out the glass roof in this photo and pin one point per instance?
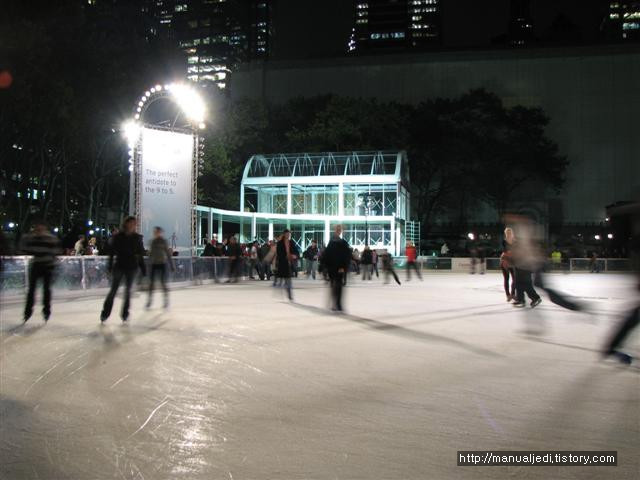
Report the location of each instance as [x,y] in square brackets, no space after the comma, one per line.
[327,164]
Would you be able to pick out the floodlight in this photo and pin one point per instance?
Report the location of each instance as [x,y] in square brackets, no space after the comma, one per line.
[190,102]
[131,131]
[610,236]
[471,236]
[597,237]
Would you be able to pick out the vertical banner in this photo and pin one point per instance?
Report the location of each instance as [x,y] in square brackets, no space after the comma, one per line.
[166,187]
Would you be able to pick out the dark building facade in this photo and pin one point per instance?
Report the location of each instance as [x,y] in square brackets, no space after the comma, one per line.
[215,35]
[392,25]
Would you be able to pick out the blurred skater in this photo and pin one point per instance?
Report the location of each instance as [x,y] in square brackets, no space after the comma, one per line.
[366,260]
[506,264]
[128,251]
[527,259]
[311,258]
[631,320]
[374,262]
[336,259]
[159,255]
[387,268]
[412,264]
[44,247]
[284,258]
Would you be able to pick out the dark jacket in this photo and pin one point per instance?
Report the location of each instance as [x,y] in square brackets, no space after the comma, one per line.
[128,252]
[283,263]
[311,253]
[337,255]
[366,258]
[209,250]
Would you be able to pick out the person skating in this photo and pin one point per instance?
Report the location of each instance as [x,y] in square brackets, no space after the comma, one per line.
[387,268]
[311,258]
[506,264]
[374,262]
[284,259]
[336,259]
[527,260]
[128,251]
[159,256]
[366,260]
[44,247]
[412,264]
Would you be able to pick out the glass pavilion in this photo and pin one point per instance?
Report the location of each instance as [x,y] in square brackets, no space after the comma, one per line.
[309,193]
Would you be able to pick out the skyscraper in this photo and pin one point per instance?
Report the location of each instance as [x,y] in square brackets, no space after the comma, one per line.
[395,25]
[623,22]
[216,35]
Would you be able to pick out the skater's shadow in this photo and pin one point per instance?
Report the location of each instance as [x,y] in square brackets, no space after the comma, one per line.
[404,332]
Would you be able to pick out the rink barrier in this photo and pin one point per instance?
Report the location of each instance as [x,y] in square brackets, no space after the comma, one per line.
[90,272]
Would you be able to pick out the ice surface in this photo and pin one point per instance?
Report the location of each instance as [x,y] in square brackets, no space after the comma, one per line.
[234,382]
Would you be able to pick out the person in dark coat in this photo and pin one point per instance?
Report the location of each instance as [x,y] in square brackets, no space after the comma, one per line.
[366,260]
[128,250]
[336,259]
[284,258]
[234,252]
[44,247]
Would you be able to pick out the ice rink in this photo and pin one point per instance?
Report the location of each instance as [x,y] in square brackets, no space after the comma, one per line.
[235,382]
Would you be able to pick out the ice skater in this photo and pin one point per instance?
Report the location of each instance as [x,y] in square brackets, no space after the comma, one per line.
[284,259]
[527,260]
[311,259]
[44,247]
[336,259]
[506,264]
[128,251]
[412,264]
[387,268]
[159,255]
[366,260]
[632,319]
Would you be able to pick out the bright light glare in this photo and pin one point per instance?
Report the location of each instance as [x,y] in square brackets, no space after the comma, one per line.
[610,236]
[471,236]
[91,232]
[56,230]
[90,222]
[11,224]
[597,237]
[131,132]
[190,102]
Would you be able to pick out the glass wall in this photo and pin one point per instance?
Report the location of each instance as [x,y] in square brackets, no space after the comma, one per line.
[370,199]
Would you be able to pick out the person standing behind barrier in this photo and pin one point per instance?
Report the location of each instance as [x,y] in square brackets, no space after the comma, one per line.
[444,250]
[336,259]
[506,264]
[44,247]
[159,256]
[128,251]
[78,248]
[311,257]
[366,260]
[284,259]
[412,255]
[253,260]
[234,252]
